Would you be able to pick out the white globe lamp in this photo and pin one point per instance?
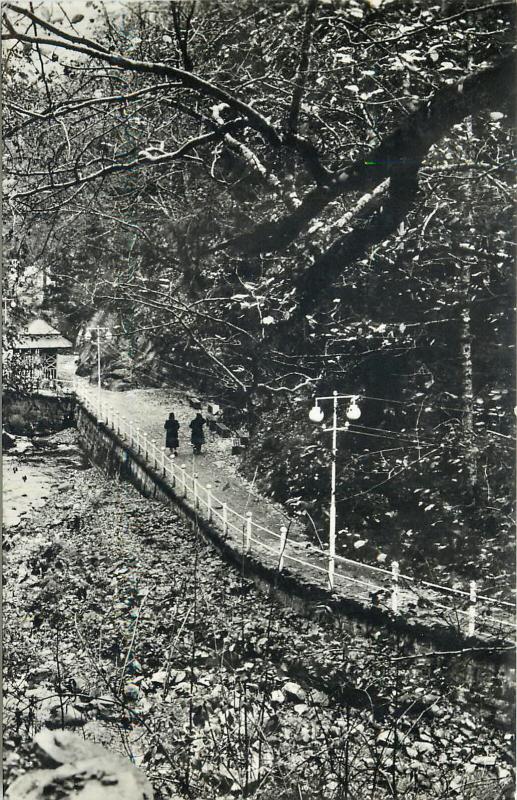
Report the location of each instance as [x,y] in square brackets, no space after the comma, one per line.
[316,414]
[353,411]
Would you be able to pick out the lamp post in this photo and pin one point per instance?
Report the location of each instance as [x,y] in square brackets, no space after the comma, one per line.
[100,332]
[8,303]
[316,415]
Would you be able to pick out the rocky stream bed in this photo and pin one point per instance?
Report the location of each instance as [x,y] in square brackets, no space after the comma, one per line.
[121,623]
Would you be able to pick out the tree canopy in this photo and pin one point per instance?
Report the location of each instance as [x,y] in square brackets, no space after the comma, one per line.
[278,200]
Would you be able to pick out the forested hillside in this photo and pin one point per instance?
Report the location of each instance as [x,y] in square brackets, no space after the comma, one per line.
[273,201]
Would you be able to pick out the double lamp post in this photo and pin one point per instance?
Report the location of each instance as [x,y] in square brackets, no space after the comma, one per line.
[100,334]
[316,414]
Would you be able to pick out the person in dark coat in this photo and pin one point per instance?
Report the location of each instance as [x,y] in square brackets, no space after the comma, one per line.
[172,427]
[197,437]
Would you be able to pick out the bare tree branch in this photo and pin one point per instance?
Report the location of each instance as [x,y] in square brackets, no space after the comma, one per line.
[68,107]
[146,158]
[376,222]
[255,120]
[493,87]
[301,73]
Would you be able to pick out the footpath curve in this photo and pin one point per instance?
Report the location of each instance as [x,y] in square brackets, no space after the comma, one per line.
[259,530]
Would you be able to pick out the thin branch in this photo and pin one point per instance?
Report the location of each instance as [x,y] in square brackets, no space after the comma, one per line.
[255,120]
[303,66]
[68,107]
[146,158]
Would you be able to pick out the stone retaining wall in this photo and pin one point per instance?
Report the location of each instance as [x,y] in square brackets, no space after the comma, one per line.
[26,415]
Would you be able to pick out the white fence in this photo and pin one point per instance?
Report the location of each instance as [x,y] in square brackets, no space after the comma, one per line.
[468,610]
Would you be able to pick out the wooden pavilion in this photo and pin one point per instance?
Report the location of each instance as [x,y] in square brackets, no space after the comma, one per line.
[35,353]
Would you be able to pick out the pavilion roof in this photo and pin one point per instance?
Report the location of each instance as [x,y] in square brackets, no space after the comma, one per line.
[39,335]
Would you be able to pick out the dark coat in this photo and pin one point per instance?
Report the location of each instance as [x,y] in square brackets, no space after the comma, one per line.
[172,427]
[196,426]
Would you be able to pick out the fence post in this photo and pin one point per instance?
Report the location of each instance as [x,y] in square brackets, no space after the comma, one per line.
[173,471]
[209,501]
[194,489]
[225,518]
[163,461]
[184,479]
[137,439]
[472,608]
[117,418]
[248,531]
[283,539]
[153,449]
[111,412]
[122,426]
[395,586]
[145,446]
[130,432]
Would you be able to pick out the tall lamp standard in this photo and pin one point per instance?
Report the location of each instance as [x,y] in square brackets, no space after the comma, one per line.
[316,414]
[8,303]
[99,332]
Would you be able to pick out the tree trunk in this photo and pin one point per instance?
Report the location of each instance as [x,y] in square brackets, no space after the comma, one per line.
[467,389]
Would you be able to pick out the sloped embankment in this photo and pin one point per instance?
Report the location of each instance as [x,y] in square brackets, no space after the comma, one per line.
[124,624]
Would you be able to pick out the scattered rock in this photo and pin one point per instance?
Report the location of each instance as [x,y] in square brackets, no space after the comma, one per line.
[424,747]
[484,761]
[294,690]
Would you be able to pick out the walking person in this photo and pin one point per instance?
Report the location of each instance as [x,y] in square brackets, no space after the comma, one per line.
[172,427]
[197,436]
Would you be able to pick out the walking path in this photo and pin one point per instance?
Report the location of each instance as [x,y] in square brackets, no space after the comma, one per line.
[262,529]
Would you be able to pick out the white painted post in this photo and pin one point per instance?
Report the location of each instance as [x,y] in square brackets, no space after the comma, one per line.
[122,426]
[145,447]
[110,417]
[194,489]
[472,608]
[173,471]
[209,501]
[137,439]
[153,448]
[130,432]
[184,479]
[395,586]
[225,518]
[163,461]
[332,521]
[248,531]
[117,420]
[283,539]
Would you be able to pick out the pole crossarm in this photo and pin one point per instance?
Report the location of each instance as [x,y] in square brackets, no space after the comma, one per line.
[339,397]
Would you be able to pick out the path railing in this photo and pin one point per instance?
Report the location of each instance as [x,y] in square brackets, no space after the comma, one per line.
[468,610]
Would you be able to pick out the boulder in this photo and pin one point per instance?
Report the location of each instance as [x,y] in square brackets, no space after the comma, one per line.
[85,771]
[194,402]
[8,441]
